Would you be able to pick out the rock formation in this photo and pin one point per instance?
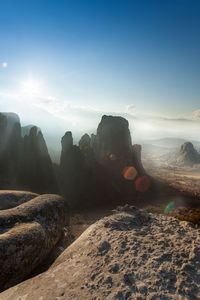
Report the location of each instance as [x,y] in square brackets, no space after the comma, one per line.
[10,199]
[113,136]
[129,255]
[10,148]
[24,160]
[188,155]
[37,170]
[71,169]
[28,233]
[93,173]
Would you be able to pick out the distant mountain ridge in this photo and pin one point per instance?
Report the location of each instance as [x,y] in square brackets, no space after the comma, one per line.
[171,142]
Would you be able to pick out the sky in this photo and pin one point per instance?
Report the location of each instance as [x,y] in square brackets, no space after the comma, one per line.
[63,64]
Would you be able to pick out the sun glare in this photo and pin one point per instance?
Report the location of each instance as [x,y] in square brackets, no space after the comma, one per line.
[30,87]
[4,64]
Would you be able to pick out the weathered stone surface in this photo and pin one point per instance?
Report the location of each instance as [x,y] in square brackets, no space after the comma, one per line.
[9,199]
[129,255]
[28,233]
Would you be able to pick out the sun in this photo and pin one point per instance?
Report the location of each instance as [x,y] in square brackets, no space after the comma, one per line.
[30,87]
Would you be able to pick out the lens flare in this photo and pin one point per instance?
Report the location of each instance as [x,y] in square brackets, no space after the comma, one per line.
[4,64]
[142,184]
[129,173]
[112,156]
[169,207]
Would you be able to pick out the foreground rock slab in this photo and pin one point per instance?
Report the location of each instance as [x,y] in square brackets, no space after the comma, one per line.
[129,255]
[28,233]
[10,199]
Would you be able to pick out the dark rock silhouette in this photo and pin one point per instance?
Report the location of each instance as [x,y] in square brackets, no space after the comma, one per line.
[71,169]
[92,174]
[24,161]
[10,149]
[88,174]
[37,170]
[113,136]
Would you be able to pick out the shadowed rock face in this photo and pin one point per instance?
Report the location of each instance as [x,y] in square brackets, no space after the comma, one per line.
[37,169]
[71,169]
[126,255]
[113,136]
[28,233]
[10,148]
[92,174]
[24,161]
[113,143]
[188,155]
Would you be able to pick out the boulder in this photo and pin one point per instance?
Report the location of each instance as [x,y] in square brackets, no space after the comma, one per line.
[131,254]
[9,199]
[28,233]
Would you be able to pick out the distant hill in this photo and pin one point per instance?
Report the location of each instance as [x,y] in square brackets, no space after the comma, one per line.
[171,143]
[187,155]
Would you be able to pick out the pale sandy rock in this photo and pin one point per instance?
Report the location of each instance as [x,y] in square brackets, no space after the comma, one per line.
[129,255]
[28,233]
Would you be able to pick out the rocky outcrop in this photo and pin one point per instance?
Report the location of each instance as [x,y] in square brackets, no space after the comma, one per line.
[10,149]
[113,136]
[92,174]
[10,199]
[37,173]
[188,155]
[113,143]
[71,170]
[24,159]
[129,255]
[28,233]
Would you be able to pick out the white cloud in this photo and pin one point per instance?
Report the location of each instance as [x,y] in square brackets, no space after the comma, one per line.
[130,109]
[196,115]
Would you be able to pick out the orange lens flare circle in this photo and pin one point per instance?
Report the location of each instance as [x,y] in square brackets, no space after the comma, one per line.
[142,184]
[129,173]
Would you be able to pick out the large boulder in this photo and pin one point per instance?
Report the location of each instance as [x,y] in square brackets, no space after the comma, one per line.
[28,233]
[9,199]
[129,255]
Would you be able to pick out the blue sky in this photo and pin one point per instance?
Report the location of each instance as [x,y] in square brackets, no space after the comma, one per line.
[72,61]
